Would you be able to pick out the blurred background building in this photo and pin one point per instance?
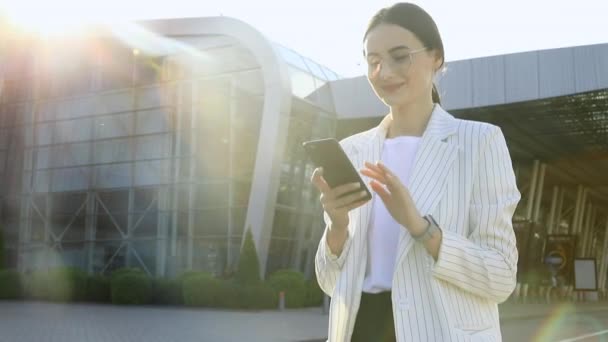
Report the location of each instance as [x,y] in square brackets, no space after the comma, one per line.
[158,144]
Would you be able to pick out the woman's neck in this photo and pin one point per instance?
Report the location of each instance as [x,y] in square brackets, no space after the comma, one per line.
[410,119]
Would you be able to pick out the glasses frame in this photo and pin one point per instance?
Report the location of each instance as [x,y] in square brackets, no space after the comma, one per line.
[392,63]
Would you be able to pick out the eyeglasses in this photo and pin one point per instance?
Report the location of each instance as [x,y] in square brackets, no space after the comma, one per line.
[401,61]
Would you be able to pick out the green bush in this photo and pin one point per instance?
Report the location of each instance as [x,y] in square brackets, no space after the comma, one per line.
[315,294]
[98,289]
[166,291]
[293,283]
[228,296]
[201,290]
[130,287]
[34,285]
[260,296]
[248,271]
[62,284]
[2,250]
[10,285]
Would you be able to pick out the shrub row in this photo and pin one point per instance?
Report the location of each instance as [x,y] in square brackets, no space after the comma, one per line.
[131,286]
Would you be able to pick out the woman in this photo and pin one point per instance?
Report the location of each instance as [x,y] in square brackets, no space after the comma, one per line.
[433,253]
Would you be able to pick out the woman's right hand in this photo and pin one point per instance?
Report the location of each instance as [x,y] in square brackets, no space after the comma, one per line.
[336,206]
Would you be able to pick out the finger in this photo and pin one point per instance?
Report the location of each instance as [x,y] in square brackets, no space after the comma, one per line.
[319,182]
[380,190]
[341,190]
[374,167]
[385,169]
[374,175]
[354,205]
[345,200]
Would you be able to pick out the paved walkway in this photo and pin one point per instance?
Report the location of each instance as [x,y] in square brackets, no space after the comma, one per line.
[50,322]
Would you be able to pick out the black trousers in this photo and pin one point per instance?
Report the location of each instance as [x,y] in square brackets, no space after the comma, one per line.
[374,321]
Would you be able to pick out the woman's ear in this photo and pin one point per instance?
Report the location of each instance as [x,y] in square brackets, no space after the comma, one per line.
[437,61]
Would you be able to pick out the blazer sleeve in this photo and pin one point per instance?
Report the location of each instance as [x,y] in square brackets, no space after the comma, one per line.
[328,265]
[485,262]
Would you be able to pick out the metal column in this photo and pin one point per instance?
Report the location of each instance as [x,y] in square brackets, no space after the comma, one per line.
[603,261]
[531,193]
[553,212]
[539,192]
[573,229]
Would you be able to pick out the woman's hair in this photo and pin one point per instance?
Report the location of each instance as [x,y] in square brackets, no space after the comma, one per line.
[416,20]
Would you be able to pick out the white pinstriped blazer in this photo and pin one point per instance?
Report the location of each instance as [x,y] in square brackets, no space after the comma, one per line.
[463,176]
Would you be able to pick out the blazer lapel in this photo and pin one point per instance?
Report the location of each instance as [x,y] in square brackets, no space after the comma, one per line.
[432,164]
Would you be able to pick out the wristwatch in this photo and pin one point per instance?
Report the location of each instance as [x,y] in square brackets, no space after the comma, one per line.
[430,230]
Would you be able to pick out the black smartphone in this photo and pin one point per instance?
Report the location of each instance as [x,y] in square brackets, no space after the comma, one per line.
[337,168]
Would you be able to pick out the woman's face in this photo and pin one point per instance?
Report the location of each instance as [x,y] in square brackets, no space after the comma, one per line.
[398,73]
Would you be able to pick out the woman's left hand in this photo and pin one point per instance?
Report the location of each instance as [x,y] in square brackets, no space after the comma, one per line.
[396,197]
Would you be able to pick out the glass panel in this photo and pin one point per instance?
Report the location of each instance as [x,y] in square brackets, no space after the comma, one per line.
[115,201]
[302,83]
[153,147]
[73,130]
[73,254]
[149,173]
[146,225]
[150,97]
[315,69]
[47,111]
[72,227]
[108,256]
[71,179]
[115,102]
[41,181]
[109,151]
[71,155]
[114,126]
[152,121]
[143,198]
[148,70]
[42,157]
[291,57]
[111,176]
[79,107]
[213,222]
[146,254]
[331,76]
[212,195]
[44,133]
[208,256]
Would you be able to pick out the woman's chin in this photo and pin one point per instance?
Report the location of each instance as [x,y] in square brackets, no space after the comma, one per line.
[394,100]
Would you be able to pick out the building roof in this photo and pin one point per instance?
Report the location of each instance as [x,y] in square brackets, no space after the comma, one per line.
[552,105]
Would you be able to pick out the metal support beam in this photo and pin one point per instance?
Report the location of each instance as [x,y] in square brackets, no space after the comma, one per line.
[584,204]
[573,229]
[559,211]
[531,193]
[585,230]
[540,185]
[552,214]
[604,259]
[162,233]
[194,115]
[90,230]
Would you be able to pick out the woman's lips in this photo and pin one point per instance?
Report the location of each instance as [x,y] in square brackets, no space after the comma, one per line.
[391,87]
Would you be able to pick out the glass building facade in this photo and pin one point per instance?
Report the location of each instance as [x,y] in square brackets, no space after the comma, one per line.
[115,155]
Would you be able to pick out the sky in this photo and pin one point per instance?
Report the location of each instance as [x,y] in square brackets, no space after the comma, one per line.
[330,31]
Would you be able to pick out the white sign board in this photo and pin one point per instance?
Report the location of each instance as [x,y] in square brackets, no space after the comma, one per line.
[585,274]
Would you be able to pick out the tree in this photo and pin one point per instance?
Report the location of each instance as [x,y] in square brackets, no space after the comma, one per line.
[248,271]
[2,252]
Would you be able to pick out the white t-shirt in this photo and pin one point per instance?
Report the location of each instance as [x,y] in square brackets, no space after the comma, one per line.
[383,233]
